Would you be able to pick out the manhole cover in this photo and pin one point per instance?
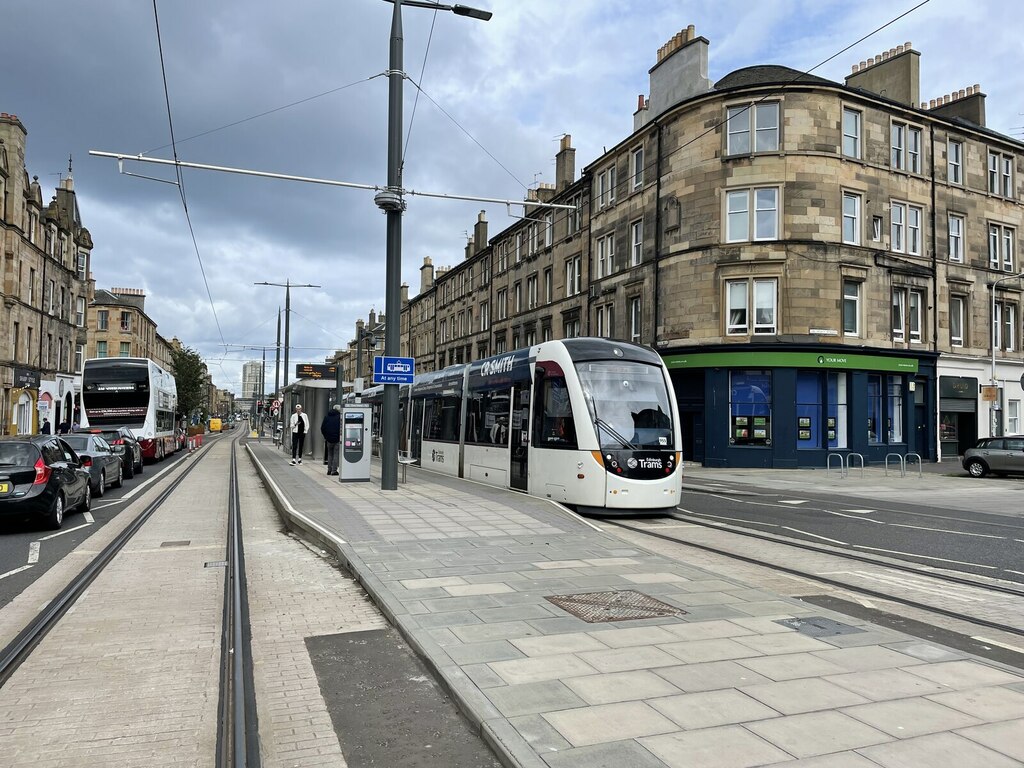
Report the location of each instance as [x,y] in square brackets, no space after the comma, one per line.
[818,626]
[623,605]
[176,543]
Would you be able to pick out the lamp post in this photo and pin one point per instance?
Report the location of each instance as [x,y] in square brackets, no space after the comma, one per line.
[391,201]
[994,404]
[287,285]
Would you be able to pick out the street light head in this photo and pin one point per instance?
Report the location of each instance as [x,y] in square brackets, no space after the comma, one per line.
[473,13]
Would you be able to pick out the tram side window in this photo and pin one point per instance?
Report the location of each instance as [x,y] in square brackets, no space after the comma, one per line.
[554,426]
[442,419]
[487,417]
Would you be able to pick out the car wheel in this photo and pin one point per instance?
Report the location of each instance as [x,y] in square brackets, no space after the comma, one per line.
[977,468]
[102,486]
[138,468]
[55,519]
[129,470]
[120,477]
[86,504]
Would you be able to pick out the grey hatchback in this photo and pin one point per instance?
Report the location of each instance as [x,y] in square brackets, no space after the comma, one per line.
[998,455]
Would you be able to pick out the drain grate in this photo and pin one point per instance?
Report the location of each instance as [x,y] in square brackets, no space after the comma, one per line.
[622,605]
[818,626]
[176,543]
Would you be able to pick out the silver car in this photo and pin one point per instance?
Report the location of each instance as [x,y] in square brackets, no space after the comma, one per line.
[998,455]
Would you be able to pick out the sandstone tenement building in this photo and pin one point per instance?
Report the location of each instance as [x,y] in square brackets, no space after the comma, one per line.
[825,267]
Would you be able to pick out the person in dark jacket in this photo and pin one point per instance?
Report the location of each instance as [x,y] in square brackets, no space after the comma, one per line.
[331,430]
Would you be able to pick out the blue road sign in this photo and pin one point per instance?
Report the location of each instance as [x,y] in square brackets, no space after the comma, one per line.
[393,370]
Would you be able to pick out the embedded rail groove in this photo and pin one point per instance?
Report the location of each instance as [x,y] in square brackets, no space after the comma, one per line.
[835,582]
[893,564]
[238,732]
[19,649]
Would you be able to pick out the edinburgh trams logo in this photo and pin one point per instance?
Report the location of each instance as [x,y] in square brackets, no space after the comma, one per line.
[437,456]
[633,463]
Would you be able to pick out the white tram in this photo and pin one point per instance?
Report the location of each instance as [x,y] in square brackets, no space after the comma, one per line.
[588,422]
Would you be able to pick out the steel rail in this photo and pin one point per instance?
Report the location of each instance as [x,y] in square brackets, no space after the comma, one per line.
[21,647]
[825,580]
[238,731]
[915,568]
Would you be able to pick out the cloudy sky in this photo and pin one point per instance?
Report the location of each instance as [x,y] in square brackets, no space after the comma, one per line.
[86,75]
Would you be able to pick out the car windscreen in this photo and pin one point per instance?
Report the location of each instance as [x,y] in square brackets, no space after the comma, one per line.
[18,454]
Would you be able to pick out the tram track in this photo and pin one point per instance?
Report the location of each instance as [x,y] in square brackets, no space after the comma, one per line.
[237,736]
[838,583]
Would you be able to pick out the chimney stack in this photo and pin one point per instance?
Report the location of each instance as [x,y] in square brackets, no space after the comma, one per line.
[565,164]
[681,72]
[426,275]
[480,233]
[894,74]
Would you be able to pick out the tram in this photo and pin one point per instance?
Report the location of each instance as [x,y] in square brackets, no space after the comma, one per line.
[588,422]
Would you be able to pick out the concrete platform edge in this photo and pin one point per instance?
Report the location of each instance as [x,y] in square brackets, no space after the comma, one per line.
[509,746]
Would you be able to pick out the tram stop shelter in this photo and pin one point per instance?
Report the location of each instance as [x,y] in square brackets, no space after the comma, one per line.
[316,396]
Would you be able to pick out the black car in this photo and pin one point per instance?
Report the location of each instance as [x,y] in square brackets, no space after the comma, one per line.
[126,445]
[105,467]
[41,476]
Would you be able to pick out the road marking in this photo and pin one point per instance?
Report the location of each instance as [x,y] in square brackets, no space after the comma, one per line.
[66,530]
[105,504]
[88,517]
[16,570]
[150,479]
[792,501]
[921,586]
[1019,573]
[851,517]
[924,557]
[33,552]
[823,538]
[734,519]
[1007,646]
[860,511]
[943,530]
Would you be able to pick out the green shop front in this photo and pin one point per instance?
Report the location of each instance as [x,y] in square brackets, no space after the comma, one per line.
[791,408]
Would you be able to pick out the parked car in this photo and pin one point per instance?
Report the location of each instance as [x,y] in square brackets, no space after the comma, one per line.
[126,445]
[42,477]
[998,455]
[99,458]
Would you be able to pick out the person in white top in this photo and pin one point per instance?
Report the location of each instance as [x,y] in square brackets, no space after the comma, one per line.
[300,428]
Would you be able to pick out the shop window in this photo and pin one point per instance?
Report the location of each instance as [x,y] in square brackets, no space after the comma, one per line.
[885,409]
[821,409]
[750,408]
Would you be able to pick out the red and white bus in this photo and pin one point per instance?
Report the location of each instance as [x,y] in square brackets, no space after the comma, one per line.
[132,392]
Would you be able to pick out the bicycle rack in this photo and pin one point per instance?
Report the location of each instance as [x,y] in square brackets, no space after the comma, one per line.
[903,465]
[849,463]
[918,456]
[842,464]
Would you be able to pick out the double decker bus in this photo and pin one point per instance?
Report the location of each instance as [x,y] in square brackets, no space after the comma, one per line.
[132,392]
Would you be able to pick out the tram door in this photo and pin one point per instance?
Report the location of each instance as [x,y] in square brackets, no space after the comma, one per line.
[416,429]
[519,453]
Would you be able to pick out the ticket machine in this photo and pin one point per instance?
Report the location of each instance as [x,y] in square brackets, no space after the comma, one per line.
[354,461]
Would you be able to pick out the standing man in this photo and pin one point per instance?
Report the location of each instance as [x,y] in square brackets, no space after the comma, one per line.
[300,427]
[45,430]
[331,430]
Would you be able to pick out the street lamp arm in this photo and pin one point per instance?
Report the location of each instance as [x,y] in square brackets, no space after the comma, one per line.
[458,10]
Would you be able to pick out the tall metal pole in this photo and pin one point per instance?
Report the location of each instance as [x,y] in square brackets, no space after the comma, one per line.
[287,325]
[393,204]
[277,357]
[393,276]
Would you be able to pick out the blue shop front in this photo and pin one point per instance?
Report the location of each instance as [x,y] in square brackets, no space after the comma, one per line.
[791,408]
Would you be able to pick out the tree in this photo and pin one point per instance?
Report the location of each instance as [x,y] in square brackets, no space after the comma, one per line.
[189,377]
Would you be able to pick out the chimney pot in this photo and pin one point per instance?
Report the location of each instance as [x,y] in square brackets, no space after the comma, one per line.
[977,88]
[899,49]
[907,46]
[691,32]
[963,92]
[871,61]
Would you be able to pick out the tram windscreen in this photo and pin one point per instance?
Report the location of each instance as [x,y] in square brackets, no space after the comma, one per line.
[629,405]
